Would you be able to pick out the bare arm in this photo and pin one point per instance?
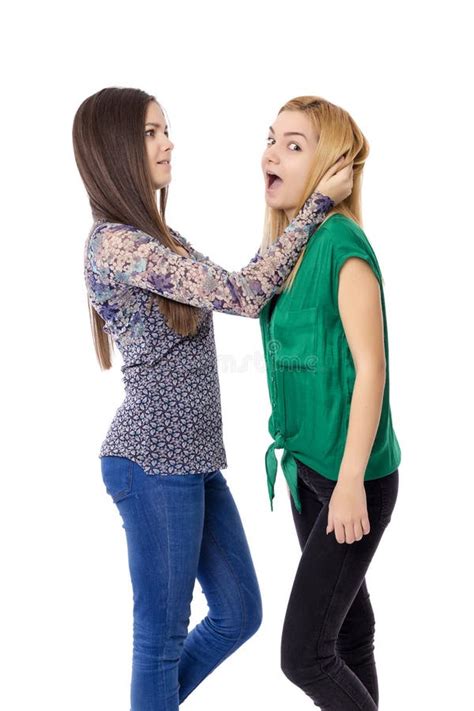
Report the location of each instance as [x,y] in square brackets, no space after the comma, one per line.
[361,314]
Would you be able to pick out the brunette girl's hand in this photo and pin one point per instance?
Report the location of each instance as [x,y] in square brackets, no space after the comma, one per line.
[337,182]
[334,186]
[348,516]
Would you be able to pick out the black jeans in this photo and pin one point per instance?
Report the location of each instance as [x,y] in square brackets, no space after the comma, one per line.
[327,646]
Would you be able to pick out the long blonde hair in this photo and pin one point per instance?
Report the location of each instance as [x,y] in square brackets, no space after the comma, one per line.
[338,135]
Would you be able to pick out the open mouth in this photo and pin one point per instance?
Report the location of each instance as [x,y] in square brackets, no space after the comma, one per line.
[273,181]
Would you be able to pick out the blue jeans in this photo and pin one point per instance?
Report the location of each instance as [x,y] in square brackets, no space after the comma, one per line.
[179,528]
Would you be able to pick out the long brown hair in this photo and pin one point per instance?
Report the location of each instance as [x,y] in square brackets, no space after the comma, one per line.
[109,148]
[338,135]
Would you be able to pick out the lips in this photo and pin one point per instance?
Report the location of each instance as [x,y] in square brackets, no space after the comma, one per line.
[273,180]
[164,162]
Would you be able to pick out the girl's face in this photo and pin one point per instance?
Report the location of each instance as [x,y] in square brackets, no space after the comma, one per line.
[158,146]
[289,155]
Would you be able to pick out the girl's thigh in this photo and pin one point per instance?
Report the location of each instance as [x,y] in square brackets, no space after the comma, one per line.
[226,570]
[330,574]
[163,518]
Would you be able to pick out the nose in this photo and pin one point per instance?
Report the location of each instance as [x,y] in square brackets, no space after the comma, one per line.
[271,154]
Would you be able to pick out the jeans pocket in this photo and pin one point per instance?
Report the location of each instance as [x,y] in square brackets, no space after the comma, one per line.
[117,475]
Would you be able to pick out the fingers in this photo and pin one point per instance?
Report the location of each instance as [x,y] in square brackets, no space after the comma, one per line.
[335,167]
[339,167]
[356,531]
[347,171]
[349,533]
[341,162]
[330,525]
[340,532]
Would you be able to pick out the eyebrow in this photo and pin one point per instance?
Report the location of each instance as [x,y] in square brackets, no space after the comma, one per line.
[156,125]
[290,133]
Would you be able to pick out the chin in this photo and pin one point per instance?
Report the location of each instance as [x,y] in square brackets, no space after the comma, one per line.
[159,186]
[274,202]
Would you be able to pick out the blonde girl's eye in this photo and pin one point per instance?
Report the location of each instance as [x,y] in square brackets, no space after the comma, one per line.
[298,148]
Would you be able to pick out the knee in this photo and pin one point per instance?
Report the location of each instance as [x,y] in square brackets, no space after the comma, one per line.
[252,619]
[293,669]
[291,665]
[301,663]
[151,646]
[356,641]
[239,621]
[308,673]
[291,660]
[289,655]
[356,649]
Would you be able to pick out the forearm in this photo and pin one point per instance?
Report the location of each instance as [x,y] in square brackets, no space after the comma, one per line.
[127,255]
[364,418]
[254,285]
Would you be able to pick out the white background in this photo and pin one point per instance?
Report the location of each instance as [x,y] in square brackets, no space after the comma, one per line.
[221,73]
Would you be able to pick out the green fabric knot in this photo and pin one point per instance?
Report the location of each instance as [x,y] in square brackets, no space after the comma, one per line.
[288,464]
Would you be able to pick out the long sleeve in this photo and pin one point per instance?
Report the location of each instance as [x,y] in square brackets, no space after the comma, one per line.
[199,256]
[127,255]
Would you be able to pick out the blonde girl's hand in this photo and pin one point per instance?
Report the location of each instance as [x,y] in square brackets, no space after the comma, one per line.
[337,182]
[348,516]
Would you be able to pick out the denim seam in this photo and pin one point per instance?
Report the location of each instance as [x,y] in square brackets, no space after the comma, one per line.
[242,606]
[229,652]
[324,627]
[130,476]
[168,587]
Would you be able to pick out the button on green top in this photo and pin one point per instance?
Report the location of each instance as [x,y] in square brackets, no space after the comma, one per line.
[310,370]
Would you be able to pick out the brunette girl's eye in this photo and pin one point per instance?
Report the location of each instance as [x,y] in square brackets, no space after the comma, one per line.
[152,130]
[269,139]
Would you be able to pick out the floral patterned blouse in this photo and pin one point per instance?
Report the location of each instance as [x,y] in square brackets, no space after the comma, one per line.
[170,419]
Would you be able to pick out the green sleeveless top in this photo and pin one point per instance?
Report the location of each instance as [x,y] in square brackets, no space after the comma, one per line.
[310,370]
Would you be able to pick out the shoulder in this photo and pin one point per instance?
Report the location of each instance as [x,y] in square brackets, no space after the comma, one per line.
[123,236]
[342,238]
[177,234]
[336,236]
[341,228]
[342,235]
[120,247]
[110,229]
